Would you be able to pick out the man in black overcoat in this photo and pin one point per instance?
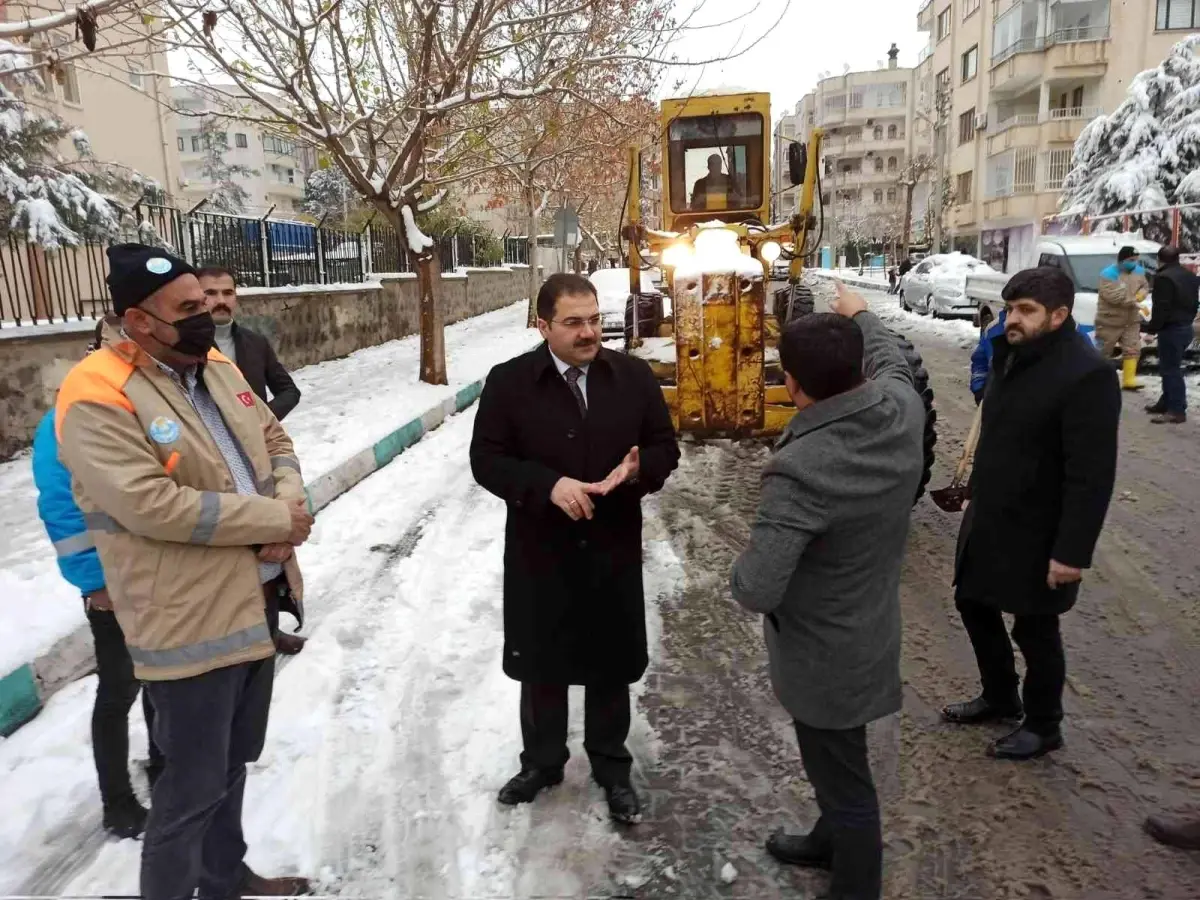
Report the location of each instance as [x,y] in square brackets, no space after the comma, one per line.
[1040,488]
[572,436]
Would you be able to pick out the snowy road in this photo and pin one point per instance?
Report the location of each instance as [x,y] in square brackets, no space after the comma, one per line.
[392,732]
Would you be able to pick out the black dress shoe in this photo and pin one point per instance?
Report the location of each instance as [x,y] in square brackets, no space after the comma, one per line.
[527,784]
[980,712]
[623,804]
[1157,408]
[1025,744]
[800,850]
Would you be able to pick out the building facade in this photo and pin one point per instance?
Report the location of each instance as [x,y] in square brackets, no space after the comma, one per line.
[1020,80]
[868,119]
[85,92]
[280,164]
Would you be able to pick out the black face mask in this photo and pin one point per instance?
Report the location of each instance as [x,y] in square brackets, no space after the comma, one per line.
[196,333]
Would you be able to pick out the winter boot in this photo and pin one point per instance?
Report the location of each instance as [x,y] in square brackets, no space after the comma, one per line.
[257,886]
[1129,380]
[124,817]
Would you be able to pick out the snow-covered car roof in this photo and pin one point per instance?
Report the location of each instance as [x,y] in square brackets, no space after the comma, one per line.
[955,260]
[1092,244]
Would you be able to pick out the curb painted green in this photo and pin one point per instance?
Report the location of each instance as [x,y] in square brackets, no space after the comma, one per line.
[19,701]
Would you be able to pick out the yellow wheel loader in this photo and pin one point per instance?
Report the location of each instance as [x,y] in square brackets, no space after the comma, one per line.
[714,353]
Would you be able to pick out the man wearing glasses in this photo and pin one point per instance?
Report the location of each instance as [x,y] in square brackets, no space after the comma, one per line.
[572,436]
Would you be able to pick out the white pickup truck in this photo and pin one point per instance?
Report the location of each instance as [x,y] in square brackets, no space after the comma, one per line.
[1082,257]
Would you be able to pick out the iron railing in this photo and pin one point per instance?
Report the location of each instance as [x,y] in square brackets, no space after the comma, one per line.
[39,286]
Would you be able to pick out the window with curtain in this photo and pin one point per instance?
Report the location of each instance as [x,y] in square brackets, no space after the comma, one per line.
[878,164]
[892,132]
[893,164]
[878,196]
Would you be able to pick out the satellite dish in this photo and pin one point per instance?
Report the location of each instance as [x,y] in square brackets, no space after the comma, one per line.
[845,68]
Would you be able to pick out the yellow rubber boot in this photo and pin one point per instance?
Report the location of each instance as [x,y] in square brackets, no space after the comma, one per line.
[1129,380]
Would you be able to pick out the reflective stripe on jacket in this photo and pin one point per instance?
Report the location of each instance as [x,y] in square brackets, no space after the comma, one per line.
[175,539]
[73,544]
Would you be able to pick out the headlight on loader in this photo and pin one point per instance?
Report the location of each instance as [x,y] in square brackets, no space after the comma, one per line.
[677,254]
[769,252]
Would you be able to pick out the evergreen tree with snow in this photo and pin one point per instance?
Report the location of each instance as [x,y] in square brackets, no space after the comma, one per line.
[226,195]
[46,198]
[329,195]
[1146,154]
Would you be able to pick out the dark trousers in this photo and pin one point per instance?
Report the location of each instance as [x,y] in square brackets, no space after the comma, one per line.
[1045,663]
[849,827]
[606,726]
[1172,342]
[208,726]
[115,692]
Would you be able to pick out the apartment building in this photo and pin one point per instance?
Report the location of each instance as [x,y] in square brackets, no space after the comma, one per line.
[1021,78]
[869,123]
[280,162]
[791,127]
[86,92]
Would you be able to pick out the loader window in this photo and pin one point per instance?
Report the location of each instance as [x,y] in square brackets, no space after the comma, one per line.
[716,162]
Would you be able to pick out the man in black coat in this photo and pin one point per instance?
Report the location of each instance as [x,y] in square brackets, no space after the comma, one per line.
[572,436]
[250,351]
[1040,488]
[1176,293]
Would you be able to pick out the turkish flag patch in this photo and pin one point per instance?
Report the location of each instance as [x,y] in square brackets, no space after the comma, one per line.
[247,398]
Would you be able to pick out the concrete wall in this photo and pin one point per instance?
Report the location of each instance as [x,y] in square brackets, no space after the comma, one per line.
[305,324]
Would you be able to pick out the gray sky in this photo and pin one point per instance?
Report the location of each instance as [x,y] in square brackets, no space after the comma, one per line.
[813,36]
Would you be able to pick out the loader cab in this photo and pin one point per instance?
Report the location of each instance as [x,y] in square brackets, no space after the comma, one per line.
[717,163]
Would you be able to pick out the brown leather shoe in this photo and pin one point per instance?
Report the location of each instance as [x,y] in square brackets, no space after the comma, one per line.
[1181,833]
[288,886]
[1170,419]
[288,644]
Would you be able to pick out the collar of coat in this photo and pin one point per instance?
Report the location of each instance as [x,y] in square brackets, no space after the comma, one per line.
[543,362]
[1001,348]
[826,412]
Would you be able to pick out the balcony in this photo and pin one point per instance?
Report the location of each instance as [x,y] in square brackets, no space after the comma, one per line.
[1082,51]
[1029,129]
[925,16]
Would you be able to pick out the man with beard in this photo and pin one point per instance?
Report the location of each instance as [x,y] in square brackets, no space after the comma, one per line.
[1043,477]
[192,492]
[572,436]
[250,351]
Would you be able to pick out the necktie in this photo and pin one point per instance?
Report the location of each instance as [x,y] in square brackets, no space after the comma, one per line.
[572,376]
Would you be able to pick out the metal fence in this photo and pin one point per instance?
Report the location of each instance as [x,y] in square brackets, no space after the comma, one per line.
[49,286]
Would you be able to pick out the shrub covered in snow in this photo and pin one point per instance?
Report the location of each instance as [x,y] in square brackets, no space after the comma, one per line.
[1146,154]
[44,197]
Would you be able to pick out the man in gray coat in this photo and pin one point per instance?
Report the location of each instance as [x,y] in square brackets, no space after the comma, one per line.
[823,567]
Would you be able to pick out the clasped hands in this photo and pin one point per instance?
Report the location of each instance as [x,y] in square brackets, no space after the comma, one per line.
[575,497]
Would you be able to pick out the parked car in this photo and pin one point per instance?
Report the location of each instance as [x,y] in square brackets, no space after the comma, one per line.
[916,288]
[612,290]
[949,299]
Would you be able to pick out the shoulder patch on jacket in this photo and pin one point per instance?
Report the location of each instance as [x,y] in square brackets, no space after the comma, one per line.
[99,378]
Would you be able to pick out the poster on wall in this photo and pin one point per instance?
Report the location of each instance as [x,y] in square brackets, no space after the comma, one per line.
[995,249]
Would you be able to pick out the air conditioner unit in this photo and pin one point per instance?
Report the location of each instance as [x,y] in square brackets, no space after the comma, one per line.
[981,121]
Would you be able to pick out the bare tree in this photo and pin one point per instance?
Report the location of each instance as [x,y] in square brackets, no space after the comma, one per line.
[396,93]
[915,171]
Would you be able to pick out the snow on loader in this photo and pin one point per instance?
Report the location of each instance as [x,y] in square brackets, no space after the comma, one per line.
[715,352]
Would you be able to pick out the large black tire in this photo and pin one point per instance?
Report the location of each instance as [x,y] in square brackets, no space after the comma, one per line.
[916,365]
[792,302]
